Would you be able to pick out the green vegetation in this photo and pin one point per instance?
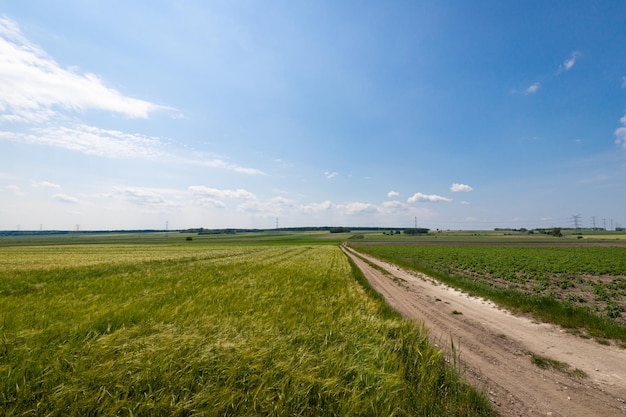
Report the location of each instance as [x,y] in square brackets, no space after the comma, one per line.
[186,328]
[416,231]
[578,287]
[548,363]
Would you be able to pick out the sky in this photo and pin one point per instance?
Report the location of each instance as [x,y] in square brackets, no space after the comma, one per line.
[466,115]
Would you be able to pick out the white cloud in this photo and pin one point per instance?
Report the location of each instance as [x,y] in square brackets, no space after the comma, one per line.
[239,193]
[395,206]
[283,206]
[146,196]
[431,198]
[91,140]
[456,188]
[64,198]
[318,207]
[620,133]
[330,175]
[15,189]
[109,143]
[283,202]
[274,207]
[392,194]
[465,203]
[35,87]
[532,89]
[621,137]
[219,163]
[623,82]
[358,208]
[569,63]
[214,197]
[45,184]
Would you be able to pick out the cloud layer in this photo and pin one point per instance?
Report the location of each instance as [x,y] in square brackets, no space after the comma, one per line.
[90,140]
[35,87]
[38,97]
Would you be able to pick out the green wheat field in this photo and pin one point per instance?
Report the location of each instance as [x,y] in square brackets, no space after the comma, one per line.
[181,328]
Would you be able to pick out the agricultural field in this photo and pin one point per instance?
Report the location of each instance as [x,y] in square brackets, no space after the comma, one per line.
[581,287]
[196,328]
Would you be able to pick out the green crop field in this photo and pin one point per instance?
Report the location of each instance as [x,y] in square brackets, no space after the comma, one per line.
[580,287]
[165,328]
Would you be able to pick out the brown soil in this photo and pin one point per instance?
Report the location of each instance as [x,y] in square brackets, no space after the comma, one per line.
[495,347]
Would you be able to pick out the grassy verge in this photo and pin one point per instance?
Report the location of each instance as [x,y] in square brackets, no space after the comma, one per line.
[211,330]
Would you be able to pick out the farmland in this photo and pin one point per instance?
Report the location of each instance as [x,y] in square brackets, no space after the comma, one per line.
[205,328]
[581,287]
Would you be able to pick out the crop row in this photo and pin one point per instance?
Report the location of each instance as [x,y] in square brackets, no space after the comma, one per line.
[592,278]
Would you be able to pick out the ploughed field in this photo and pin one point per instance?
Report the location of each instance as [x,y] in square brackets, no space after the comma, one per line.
[582,288]
[209,329]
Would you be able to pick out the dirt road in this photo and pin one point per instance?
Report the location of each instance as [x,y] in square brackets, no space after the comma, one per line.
[495,348]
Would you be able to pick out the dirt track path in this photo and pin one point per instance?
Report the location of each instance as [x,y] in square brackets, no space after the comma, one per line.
[495,348]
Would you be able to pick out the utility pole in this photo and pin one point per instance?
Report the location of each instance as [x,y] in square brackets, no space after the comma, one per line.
[167,227]
[604,221]
[593,221]
[276,223]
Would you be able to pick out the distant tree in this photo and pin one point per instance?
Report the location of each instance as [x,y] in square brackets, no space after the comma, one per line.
[416,231]
[339,230]
[556,232]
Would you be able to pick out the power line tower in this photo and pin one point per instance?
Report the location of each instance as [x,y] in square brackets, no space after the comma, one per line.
[576,218]
[593,221]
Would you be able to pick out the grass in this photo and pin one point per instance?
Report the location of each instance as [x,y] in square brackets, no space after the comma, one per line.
[190,329]
[548,363]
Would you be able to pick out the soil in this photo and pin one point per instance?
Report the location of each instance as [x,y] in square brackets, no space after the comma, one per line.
[495,348]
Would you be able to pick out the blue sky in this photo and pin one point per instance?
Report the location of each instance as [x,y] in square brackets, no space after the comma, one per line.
[464,115]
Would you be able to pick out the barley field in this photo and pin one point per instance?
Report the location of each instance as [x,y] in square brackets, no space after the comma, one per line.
[211,330]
